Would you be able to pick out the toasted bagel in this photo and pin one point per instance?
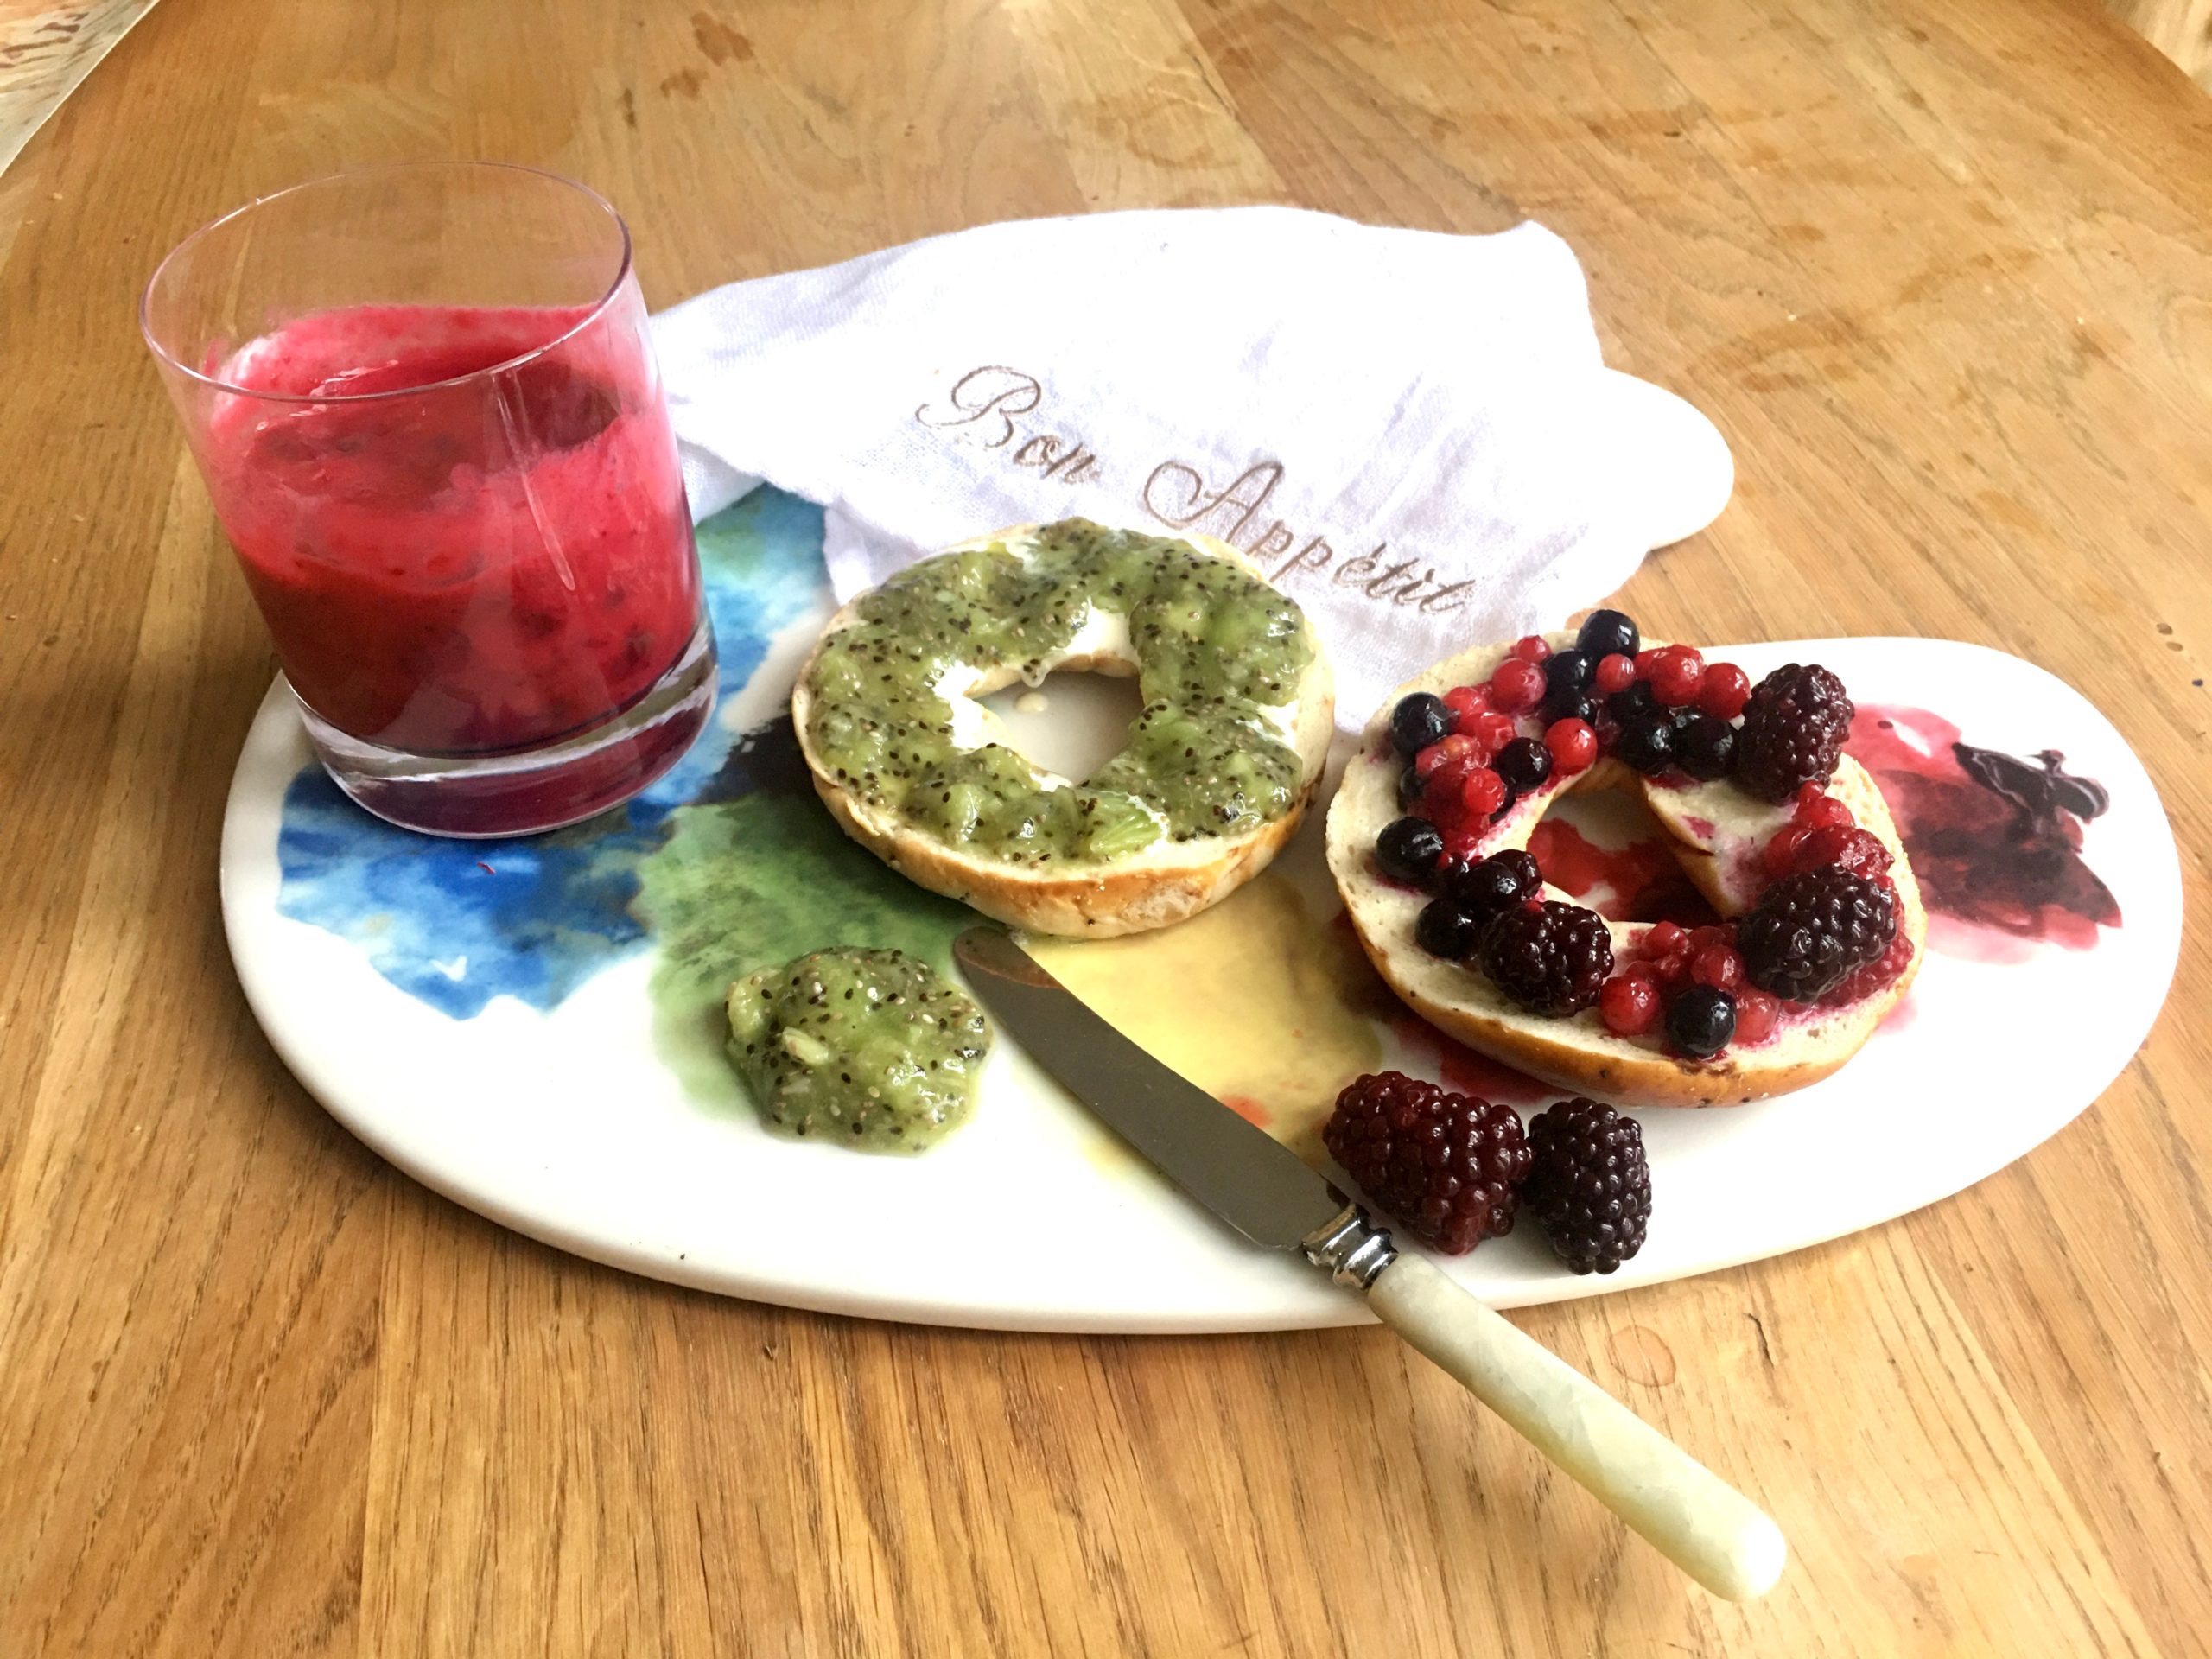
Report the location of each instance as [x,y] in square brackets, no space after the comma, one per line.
[1716,833]
[1150,887]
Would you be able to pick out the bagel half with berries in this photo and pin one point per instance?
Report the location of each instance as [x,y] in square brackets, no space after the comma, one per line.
[1217,774]
[1821,926]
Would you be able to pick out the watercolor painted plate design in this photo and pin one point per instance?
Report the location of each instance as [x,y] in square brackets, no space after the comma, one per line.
[530,1026]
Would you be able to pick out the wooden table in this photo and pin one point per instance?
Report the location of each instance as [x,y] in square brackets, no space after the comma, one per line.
[1940,274]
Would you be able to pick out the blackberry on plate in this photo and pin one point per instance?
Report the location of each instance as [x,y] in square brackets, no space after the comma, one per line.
[1447,928]
[1700,1020]
[1551,958]
[1407,850]
[1648,742]
[1492,884]
[1448,1167]
[1607,634]
[1705,747]
[1793,732]
[1810,931]
[1417,721]
[1589,1185]
[1524,763]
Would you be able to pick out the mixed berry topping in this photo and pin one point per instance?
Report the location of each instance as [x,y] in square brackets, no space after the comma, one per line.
[1549,958]
[1794,728]
[1447,1167]
[1589,1185]
[1811,930]
[1826,930]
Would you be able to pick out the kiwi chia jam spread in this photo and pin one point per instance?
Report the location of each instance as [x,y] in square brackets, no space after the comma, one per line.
[867,1048]
[1214,646]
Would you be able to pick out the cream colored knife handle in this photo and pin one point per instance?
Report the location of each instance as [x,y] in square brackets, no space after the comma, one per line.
[1699,1521]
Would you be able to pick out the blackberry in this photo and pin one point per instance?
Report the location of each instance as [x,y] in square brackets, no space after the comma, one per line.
[1524,763]
[1567,673]
[1493,883]
[1448,1167]
[1705,747]
[1810,931]
[1589,1185]
[1607,634]
[1447,928]
[1700,1020]
[1551,958]
[1794,728]
[1418,722]
[1407,850]
[1648,742]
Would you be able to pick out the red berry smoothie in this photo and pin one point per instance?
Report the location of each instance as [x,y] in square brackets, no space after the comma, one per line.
[453,562]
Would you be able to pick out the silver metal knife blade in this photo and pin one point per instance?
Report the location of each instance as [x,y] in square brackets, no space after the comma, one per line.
[1239,1172]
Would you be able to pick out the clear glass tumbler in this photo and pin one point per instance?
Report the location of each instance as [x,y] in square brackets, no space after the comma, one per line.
[426,408]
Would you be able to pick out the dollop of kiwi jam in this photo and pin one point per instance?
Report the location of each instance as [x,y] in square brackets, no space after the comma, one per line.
[867,1048]
[1214,646]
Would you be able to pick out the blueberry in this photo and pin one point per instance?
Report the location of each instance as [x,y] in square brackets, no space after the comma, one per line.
[1700,1020]
[1491,885]
[1524,763]
[1631,700]
[1523,863]
[1418,722]
[1446,928]
[1407,850]
[1607,634]
[1704,746]
[1567,673]
[1648,743]
[1409,787]
[1574,706]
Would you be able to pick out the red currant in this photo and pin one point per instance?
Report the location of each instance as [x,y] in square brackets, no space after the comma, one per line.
[1718,966]
[1857,851]
[1664,939]
[1464,846]
[1756,1013]
[1629,1005]
[1825,812]
[1531,648]
[1724,692]
[1572,744]
[1806,795]
[1482,792]
[1710,936]
[1614,673]
[1780,857]
[1646,660]
[1677,676]
[1426,763]
[1492,731]
[1517,686]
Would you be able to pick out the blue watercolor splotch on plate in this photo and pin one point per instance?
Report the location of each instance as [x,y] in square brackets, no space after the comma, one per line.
[457,923]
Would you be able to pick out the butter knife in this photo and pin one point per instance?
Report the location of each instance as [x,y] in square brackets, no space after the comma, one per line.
[1264,1192]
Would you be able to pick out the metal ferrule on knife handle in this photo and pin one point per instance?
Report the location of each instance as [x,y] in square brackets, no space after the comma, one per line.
[1352,1249]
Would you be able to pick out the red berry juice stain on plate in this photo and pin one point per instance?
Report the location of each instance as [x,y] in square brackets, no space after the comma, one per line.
[1250,1109]
[1467,1073]
[1639,882]
[1995,840]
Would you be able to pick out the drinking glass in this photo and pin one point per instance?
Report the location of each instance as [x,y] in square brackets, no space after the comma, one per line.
[428,415]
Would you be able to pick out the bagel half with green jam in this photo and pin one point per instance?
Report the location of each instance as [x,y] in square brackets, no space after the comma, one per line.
[1218,770]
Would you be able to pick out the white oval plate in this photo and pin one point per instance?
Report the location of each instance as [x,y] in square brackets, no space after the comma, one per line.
[550,1109]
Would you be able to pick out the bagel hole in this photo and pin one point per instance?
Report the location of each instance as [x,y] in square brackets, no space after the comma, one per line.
[1604,849]
[1072,724]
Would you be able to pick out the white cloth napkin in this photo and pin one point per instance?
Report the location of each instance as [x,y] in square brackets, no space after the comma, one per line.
[1413,433]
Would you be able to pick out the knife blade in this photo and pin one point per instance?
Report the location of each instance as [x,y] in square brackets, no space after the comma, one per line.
[1238,1171]
[1262,1189]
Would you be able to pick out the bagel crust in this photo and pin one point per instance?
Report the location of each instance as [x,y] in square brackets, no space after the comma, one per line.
[1717,832]
[1155,885]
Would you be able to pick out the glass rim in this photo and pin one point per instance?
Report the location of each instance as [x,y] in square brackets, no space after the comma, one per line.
[592,314]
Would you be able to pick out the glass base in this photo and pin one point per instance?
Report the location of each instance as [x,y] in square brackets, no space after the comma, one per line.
[523,791]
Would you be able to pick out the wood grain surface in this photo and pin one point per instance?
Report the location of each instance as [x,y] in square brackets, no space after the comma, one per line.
[1942,275]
